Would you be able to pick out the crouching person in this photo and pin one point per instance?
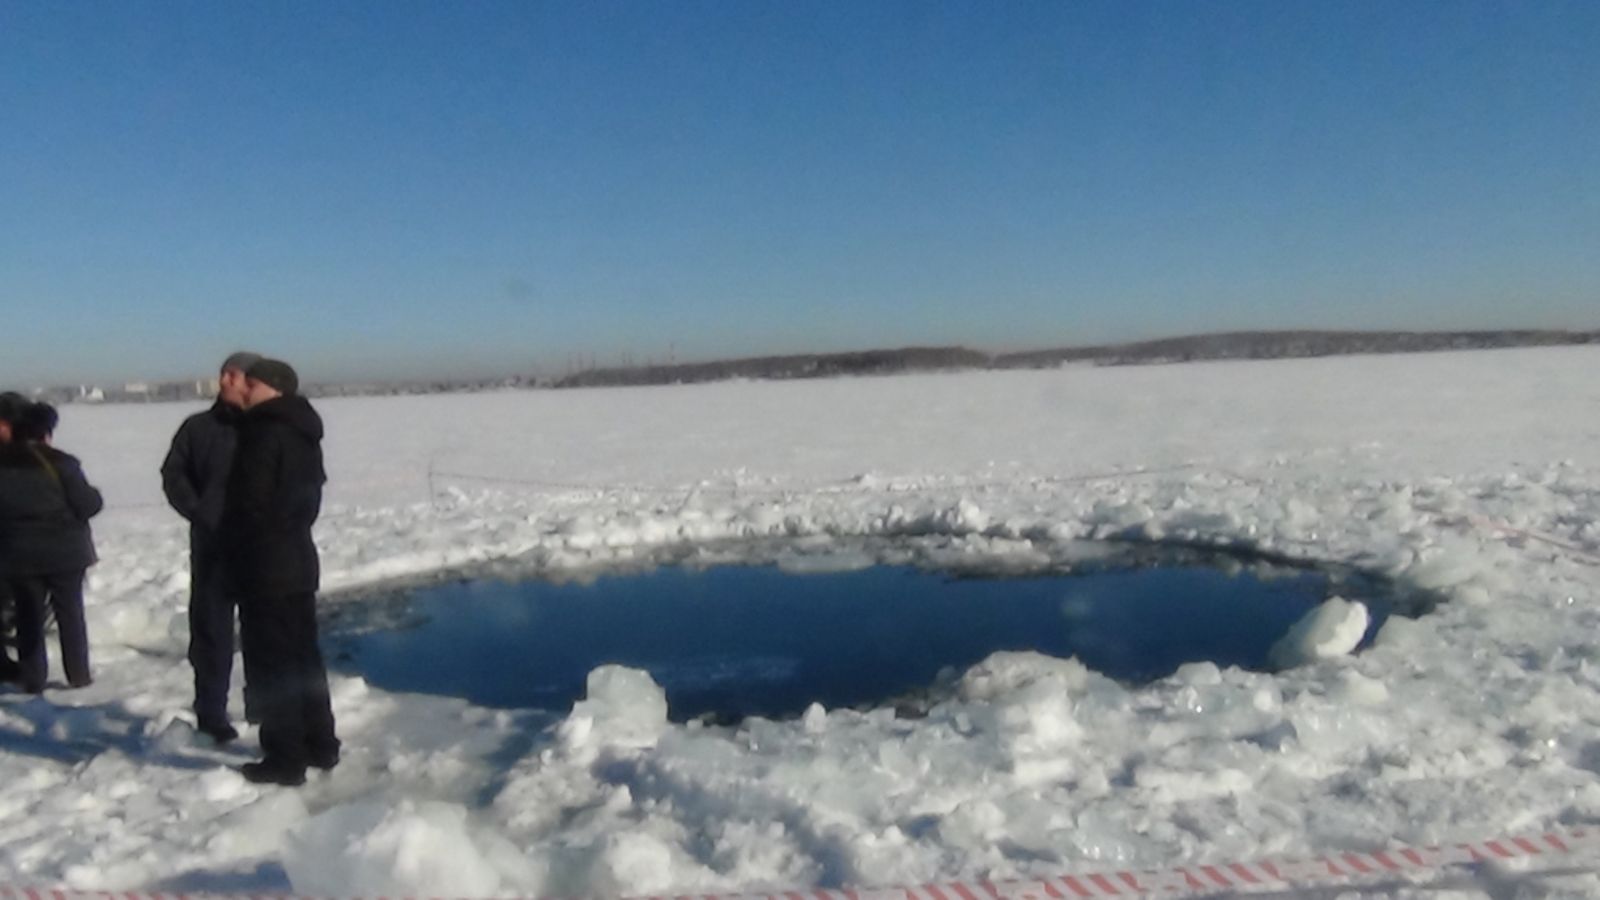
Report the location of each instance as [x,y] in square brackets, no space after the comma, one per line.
[45,545]
[273,497]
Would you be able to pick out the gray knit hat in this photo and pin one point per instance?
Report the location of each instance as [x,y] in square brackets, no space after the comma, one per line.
[12,405]
[277,373]
[242,361]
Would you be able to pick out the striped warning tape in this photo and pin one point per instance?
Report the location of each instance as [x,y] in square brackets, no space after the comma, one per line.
[1504,528]
[1188,881]
[1180,881]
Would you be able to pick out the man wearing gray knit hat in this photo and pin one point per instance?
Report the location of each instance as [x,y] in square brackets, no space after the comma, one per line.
[276,374]
[194,477]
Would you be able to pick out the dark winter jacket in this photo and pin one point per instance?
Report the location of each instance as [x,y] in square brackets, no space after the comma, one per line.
[45,507]
[194,475]
[273,497]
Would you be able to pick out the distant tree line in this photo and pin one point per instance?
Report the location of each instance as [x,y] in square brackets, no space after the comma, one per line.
[1232,345]
[807,365]
[1194,348]
[1290,345]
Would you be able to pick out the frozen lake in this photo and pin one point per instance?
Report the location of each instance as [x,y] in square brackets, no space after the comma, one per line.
[1469,475]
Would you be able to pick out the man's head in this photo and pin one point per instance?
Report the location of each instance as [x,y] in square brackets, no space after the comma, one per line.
[267,379]
[12,406]
[37,423]
[230,381]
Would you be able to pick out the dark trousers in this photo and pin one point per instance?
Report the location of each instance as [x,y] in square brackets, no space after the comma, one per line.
[8,669]
[63,592]
[212,601]
[289,686]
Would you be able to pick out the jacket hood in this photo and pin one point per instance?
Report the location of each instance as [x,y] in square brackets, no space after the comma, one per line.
[295,411]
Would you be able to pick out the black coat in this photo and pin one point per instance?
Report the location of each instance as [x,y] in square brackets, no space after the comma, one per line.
[194,476]
[45,507]
[273,497]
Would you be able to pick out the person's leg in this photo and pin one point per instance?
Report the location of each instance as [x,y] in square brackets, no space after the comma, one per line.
[251,655]
[211,610]
[8,618]
[316,708]
[66,598]
[269,632]
[33,665]
[251,714]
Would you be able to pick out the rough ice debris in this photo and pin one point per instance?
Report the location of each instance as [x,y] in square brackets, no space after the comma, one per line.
[372,849]
[1332,629]
[632,863]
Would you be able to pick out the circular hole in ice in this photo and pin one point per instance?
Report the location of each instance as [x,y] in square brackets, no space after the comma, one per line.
[771,634]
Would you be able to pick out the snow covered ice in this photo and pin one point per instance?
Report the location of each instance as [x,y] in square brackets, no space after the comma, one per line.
[1472,475]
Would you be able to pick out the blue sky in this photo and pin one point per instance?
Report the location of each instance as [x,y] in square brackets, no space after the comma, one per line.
[398,189]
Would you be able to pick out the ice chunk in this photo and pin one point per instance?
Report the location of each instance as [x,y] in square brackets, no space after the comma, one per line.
[1198,674]
[815,719]
[1008,671]
[1031,707]
[176,735]
[622,706]
[1332,629]
[965,517]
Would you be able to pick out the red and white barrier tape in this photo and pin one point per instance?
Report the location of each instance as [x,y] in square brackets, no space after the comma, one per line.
[1503,528]
[1179,881]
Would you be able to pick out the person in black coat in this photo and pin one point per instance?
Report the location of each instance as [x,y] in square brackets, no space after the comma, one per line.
[45,545]
[274,495]
[12,405]
[194,476]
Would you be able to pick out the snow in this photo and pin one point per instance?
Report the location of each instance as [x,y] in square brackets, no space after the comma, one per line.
[1470,474]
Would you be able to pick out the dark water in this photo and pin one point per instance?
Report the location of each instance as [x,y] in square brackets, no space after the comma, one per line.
[737,641]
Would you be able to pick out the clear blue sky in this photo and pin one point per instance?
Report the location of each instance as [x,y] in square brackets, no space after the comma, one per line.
[393,189]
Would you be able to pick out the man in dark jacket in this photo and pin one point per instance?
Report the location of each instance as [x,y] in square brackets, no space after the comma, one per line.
[12,405]
[274,495]
[194,477]
[45,545]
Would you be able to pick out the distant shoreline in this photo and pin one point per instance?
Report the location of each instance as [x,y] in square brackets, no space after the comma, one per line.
[1236,345]
[1190,348]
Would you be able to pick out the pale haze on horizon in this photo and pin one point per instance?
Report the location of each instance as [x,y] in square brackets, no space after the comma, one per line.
[414,190]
